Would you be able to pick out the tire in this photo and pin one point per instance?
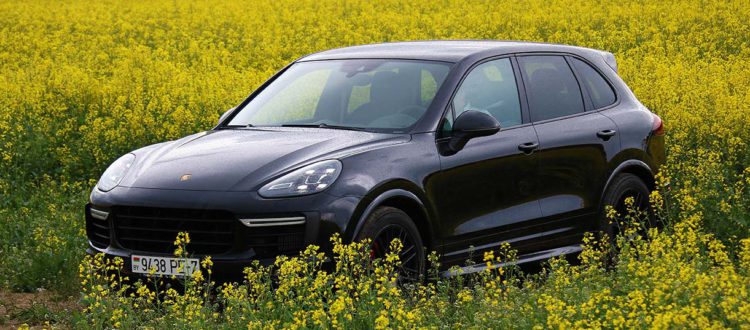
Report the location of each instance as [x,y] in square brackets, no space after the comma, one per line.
[622,186]
[386,223]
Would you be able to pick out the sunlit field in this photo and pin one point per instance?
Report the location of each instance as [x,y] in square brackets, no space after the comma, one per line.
[82,83]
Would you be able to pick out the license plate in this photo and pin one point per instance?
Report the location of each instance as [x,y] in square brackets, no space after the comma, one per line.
[164,266]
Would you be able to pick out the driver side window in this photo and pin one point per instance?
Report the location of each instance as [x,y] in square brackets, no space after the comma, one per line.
[491,88]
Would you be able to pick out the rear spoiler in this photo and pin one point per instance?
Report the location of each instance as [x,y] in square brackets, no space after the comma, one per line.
[609,58]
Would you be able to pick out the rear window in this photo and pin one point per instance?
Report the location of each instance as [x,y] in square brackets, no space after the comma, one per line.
[601,92]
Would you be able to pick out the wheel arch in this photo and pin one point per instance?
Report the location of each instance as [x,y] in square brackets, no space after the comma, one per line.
[405,200]
[635,167]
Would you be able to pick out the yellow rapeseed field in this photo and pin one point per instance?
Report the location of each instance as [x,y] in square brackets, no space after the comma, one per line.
[83,82]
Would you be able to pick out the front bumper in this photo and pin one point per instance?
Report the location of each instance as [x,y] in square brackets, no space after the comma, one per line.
[125,229]
[222,269]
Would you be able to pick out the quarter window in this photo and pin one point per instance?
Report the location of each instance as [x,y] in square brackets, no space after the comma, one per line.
[552,88]
[491,88]
[601,92]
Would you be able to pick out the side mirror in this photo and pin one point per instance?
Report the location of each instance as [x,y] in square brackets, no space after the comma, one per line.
[471,124]
[225,114]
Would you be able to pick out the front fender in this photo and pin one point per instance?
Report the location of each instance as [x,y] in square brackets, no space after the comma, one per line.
[386,194]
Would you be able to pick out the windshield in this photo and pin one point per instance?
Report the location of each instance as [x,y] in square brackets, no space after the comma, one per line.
[353,94]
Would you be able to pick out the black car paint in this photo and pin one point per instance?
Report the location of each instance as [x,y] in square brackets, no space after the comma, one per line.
[542,201]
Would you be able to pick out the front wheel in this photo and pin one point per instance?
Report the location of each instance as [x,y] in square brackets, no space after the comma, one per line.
[388,223]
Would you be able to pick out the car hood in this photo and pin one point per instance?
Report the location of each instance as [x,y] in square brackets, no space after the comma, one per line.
[243,159]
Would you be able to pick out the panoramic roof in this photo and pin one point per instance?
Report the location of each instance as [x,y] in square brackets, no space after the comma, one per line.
[444,50]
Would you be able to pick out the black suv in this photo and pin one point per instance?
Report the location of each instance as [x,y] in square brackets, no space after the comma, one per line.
[452,146]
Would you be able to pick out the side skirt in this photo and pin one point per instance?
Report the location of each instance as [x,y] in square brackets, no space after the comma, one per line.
[524,259]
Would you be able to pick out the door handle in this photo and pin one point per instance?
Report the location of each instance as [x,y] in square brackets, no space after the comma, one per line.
[528,147]
[606,134]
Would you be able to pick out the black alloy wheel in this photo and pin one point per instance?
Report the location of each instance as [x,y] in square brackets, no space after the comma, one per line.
[386,224]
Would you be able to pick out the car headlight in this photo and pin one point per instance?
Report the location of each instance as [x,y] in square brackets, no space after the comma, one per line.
[304,181]
[115,172]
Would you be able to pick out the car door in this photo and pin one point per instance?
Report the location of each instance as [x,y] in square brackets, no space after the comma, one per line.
[573,145]
[488,185]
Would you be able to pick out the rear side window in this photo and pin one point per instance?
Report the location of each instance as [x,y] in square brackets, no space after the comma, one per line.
[601,92]
[552,88]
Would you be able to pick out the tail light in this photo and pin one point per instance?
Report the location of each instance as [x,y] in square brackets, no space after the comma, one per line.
[657,127]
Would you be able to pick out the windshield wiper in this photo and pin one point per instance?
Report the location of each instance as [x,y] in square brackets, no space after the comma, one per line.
[324,125]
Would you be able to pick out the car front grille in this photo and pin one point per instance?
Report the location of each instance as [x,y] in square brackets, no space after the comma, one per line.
[155,229]
[275,240]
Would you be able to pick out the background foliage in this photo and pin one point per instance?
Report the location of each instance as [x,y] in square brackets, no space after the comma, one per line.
[82,83]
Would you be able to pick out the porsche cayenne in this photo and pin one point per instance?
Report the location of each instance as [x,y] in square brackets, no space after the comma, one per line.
[451,146]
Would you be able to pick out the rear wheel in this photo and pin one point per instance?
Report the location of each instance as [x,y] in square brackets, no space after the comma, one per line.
[388,223]
[622,187]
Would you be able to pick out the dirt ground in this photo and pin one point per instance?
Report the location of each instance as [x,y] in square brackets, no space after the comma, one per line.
[34,309]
